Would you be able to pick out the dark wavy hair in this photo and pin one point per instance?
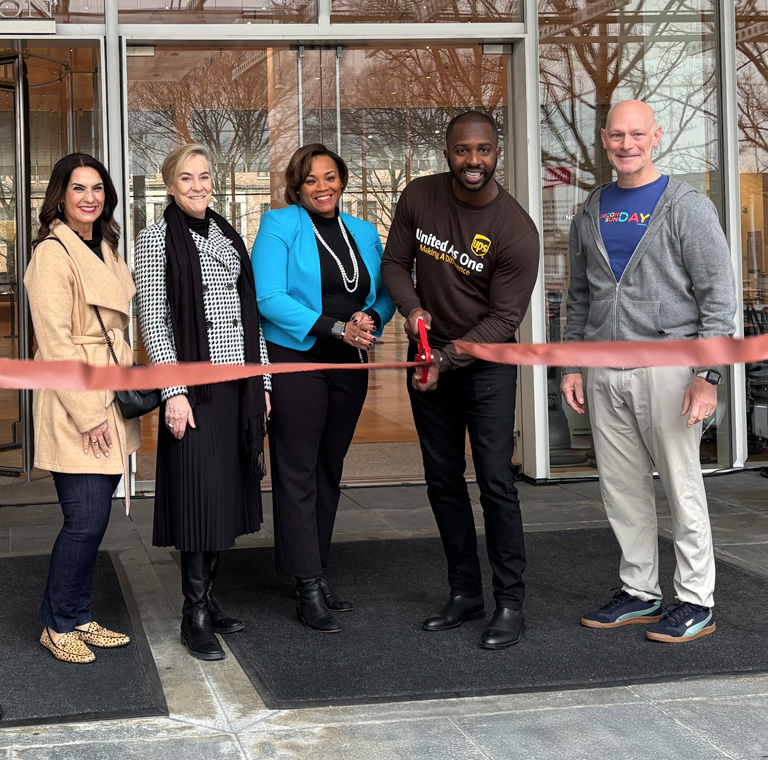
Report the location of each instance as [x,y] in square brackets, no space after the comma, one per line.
[57,190]
[300,165]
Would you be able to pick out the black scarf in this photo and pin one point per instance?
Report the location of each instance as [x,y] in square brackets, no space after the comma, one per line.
[184,285]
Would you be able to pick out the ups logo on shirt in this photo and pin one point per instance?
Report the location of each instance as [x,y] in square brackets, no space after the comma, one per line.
[480,245]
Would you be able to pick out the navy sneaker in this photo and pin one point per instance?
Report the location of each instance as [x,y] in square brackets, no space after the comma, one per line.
[623,609]
[683,621]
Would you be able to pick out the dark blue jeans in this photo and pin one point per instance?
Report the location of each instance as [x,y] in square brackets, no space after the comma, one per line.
[479,399]
[86,501]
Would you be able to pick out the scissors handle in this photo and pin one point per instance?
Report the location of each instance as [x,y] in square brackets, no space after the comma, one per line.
[423,349]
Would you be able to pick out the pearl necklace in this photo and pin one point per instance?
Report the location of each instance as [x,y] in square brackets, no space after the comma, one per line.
[348,281]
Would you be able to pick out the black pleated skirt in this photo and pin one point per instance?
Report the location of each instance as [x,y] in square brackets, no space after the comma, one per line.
[205,496]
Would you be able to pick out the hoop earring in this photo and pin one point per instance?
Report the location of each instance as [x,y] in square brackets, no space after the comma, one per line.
[60,207]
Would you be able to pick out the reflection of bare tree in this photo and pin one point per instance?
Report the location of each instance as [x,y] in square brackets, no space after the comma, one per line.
[406,11]
[753,99]
[229,115]
[633,48]
[402,101]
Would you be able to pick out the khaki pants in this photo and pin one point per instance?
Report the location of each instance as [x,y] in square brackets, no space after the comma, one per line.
[637,427]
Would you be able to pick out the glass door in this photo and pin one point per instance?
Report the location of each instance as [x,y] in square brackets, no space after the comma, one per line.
[11,401]
[383,108]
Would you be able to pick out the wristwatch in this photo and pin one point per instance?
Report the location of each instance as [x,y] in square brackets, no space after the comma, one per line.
[710,375]
[337,331]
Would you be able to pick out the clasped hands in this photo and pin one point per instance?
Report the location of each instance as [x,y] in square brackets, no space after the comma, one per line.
[358,332]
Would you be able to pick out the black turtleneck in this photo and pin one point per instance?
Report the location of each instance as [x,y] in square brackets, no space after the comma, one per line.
[338,304]
[200,226]
[94,244]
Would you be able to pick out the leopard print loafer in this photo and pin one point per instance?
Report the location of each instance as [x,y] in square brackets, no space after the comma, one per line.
[69,649]
[97,636]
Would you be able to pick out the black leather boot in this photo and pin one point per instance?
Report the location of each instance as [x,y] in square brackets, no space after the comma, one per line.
[457,610]
[332,602]
[311,609]
[221,622]
[196,629]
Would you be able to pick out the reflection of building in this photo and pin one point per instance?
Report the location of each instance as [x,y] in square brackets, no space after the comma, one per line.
[378,80]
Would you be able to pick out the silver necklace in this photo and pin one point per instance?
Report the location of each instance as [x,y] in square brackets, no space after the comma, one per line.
[348,281]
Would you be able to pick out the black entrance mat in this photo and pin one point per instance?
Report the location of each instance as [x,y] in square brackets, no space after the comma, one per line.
[383,655]
[36,688]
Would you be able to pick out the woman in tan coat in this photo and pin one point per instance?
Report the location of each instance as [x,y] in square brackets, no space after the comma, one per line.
[80,436]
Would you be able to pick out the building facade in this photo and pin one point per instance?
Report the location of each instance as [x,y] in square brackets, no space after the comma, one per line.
[378,80]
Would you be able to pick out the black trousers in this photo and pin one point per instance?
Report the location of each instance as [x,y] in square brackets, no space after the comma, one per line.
[313,420]
[479,399]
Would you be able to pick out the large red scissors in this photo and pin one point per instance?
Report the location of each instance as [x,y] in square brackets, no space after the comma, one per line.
[424,350]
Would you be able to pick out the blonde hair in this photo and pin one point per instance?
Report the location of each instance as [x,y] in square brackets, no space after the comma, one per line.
[176,159]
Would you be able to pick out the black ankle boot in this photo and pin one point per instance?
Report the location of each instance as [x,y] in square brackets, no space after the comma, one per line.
[196,629]
[311,609]
[221,622]
[332,602]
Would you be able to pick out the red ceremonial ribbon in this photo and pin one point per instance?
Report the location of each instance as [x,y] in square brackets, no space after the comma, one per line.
[700,352]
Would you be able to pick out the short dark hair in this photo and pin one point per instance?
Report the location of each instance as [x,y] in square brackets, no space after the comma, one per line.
[300,166]
[471,116]
[105,225]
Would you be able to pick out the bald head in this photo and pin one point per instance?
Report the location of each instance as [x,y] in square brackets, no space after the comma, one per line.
[629,137]
[635,109]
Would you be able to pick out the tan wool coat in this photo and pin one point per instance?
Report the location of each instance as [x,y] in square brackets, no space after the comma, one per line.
[63,286]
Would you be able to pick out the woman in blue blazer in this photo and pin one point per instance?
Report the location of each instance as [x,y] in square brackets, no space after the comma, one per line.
[321,299]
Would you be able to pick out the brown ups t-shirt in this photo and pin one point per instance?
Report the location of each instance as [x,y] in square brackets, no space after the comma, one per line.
[475,267]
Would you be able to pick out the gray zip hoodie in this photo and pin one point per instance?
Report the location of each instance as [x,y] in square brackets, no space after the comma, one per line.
[678,283]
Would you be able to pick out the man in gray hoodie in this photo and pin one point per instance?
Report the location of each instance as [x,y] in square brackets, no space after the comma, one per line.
[649,261]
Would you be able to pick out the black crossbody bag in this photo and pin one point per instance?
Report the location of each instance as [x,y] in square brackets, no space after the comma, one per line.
[132,403]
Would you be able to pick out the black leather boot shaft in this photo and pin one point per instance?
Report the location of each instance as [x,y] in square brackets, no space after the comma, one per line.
[221,622]
[311,609]
[196,629]
[332,602]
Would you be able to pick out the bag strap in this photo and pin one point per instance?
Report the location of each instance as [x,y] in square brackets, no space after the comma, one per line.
[106,335]
[95,308]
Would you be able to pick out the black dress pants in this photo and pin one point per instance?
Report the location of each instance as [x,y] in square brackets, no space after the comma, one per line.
[479,399]
[313,420]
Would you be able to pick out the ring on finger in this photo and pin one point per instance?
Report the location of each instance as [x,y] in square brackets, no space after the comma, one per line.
[95,440]
[357,338]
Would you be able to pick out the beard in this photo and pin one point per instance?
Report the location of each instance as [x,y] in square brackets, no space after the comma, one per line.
[472,188]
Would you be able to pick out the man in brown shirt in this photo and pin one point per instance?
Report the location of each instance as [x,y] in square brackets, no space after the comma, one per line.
[475,252]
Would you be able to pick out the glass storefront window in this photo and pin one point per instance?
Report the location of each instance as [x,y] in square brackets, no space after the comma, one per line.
[424,11]
[69,12]
[592,55]
[752,83]
[389,120]
[217,12]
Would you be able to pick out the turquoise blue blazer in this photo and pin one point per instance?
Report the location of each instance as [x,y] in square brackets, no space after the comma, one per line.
[286,268]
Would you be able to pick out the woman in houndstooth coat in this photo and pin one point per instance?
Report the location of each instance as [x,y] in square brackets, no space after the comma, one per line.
[196,302]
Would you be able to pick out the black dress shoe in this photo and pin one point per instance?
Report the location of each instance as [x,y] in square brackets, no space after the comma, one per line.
[311,609]
[332,602]
[505,629]
[456,611]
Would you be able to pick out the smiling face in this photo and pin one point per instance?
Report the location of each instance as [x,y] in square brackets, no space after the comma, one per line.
[192,187]
[472,154]
[83,200]
[629,137]
[321,190]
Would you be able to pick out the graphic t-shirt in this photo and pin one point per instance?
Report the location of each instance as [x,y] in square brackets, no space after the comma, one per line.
[475,266]
[624,216]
